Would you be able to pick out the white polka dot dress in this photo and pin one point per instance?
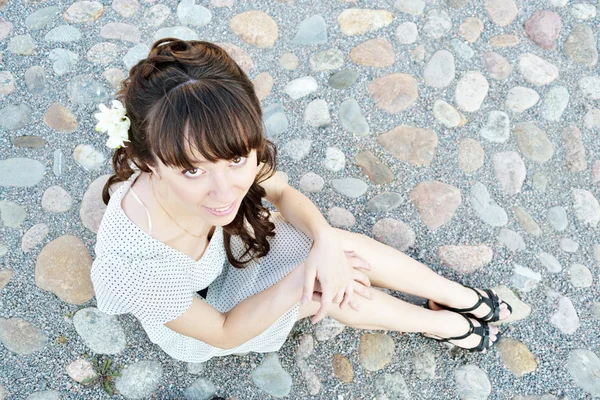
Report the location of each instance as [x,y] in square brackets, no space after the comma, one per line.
[136,273]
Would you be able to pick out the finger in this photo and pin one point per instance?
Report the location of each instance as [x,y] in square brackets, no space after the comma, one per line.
[363,291]
[362,278]
[310,274]
[348,297]
[339,296]
[354,305]
[316,296]
[325,303]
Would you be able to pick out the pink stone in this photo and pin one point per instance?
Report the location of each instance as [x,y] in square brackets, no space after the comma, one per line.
[239,55]
[544,28]
[465,258]
[596,172]
[394,93]
[394,233]
[263,84]
[126,8]
[377,53]
[80,370]
[436,201]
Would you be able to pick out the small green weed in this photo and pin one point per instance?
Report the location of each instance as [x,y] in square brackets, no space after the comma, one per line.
[104,368]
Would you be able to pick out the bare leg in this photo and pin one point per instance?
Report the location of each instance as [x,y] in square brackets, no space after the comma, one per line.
[395,270]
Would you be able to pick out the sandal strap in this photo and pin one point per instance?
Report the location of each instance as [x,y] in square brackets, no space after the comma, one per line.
[464,310]
[471,330]
[484,332]
[493,302]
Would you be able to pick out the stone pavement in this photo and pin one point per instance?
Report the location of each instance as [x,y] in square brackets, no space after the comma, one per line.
[464,132]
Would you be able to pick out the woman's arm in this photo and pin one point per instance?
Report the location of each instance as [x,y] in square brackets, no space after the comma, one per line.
[246,320]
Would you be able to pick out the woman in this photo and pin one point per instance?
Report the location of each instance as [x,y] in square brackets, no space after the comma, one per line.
[190,217]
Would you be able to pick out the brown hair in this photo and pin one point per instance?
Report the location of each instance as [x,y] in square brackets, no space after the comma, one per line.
[196,84]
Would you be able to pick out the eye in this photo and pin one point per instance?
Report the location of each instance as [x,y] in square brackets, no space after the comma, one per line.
[193,173]
[239,161]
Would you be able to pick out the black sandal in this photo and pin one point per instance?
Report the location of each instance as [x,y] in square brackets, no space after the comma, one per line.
[483,331]
[492,301]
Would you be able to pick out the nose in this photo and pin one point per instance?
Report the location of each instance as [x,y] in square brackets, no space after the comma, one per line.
[222,191]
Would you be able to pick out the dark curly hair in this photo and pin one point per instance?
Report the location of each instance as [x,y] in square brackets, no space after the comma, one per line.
[196,84]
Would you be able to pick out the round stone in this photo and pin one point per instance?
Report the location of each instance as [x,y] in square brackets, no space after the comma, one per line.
[63,268]
[88,157]
[83,89]
[312,30]
[352,119]
[202,388]
[511,240]
[377,53]
[7,83]
[21,337]
[375,351]
[355,21]
[520,99]
[31,142]
[177,32]
[392,386]
[101,332]
[536,70]
[581,276]
[340,217]
[156,15]
[377,171]
[583,366]
[191,14]
[21,45]
[80,370]
[12,214]
[327,329]
[568,245]
[114,76]
[550,262]
[317,114]
[565,319]
[583,11]
[301,87]
[35,79]
[485,207]
[412,7]
[63,60]
[407,33]
[471,155]
[517,358]
[449,116]
[326,60]
[271,378]
[394,233]
[412,144]
[275,120]
[472,383]
[255,27]
[555,103]
[60,118]
[498,67]
[350,187]
[311,183]
[15,117]
[34,236]
[20,172]
[343,79]
[342,368]
[297,149]
[465,258]
[462,49]
[394,93]
[497,128]
[135,54]
[289,61]
[526,221]
[471,29]
[44,395]
[471,90]
[580,45]
[5,29]
[139,380]
[436,202]
[83,11]
[56,199]
[592,119]
[543,27]
[385,202]
[335,160]
[121,31]
[504,41]
[437,24]
[63,34]
[510,171]
[263,84]
[126,8]
[501,12]
[533,142]
[440,70]
[103,53]
[40,18]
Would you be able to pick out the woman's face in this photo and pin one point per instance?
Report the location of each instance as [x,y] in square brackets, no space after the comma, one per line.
[212,192]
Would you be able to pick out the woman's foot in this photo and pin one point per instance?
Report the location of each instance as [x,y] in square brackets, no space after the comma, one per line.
[470,334]
[467,298]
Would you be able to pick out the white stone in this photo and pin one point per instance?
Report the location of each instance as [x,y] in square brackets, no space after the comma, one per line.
[471,90]
[554,103]
[448,115]
[536,70]
[550,262]
[581,276]
[88,157]
[297,149]
[583,11]
[335,160]
[301,87]
[590,87]
[407,33]
[497,128]
[440,70]
[520,99]
[524,278]
[437,24]
[591,120]
[568,245]
[587,209]
[412,7]
[511,239]
[317,113]
[565,319]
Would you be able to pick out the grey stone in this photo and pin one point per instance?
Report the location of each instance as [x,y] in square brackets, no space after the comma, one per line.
[472,383]
[271,378]
[583,366]
[21,337]
[31,142]
[20,172]
[580,45]
[498,66]
[407,33]
[301,87]
[156,15]
[326,60]
[275,120]
[7,83]
[83,89]
[317,113]
[63,60]
[3,250]
[587,209]
[511,239]
[595,310]
[201,389]
[59,163]
[352,118]
[103,53]
[583,11]
[343,79]
[524,278]
[56,199]
[497,128]
[312,30]
[63,34]
[457,3]
[195,368]
[449,116]
[385,202]
[311,183]
[101,332]
[574,149]
[590,87]
[328,328]
[34,236]
[139,380]
[565,319]
[557,218]
[394,233]
[15,117]
[21,45]
[40,18]
[335,160]
[440,70]
[191,14]
[121,31]
[533,142]
[135,54]
[461,49]
[350,187]
[581,276]
[554,103]
[178,32]
[35,79]
[526,221]
[297,149]
[289,61]
[485,207]
[341,217]
[437,24]
[550,262]
[12,213]
[44,395]
[424,364]
[568,245]
[412,7]
[510,171]
[393,386]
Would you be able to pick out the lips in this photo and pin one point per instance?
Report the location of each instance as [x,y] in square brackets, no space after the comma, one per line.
[221,211]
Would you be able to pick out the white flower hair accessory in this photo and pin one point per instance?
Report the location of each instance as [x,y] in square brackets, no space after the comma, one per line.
[115,123]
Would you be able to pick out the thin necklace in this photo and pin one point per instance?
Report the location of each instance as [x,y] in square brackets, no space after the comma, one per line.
[172,219]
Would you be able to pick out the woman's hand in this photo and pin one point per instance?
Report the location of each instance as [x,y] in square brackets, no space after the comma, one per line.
[336,273]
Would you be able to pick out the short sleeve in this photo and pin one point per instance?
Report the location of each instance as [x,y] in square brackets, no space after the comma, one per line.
[164,293]
[115,285]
